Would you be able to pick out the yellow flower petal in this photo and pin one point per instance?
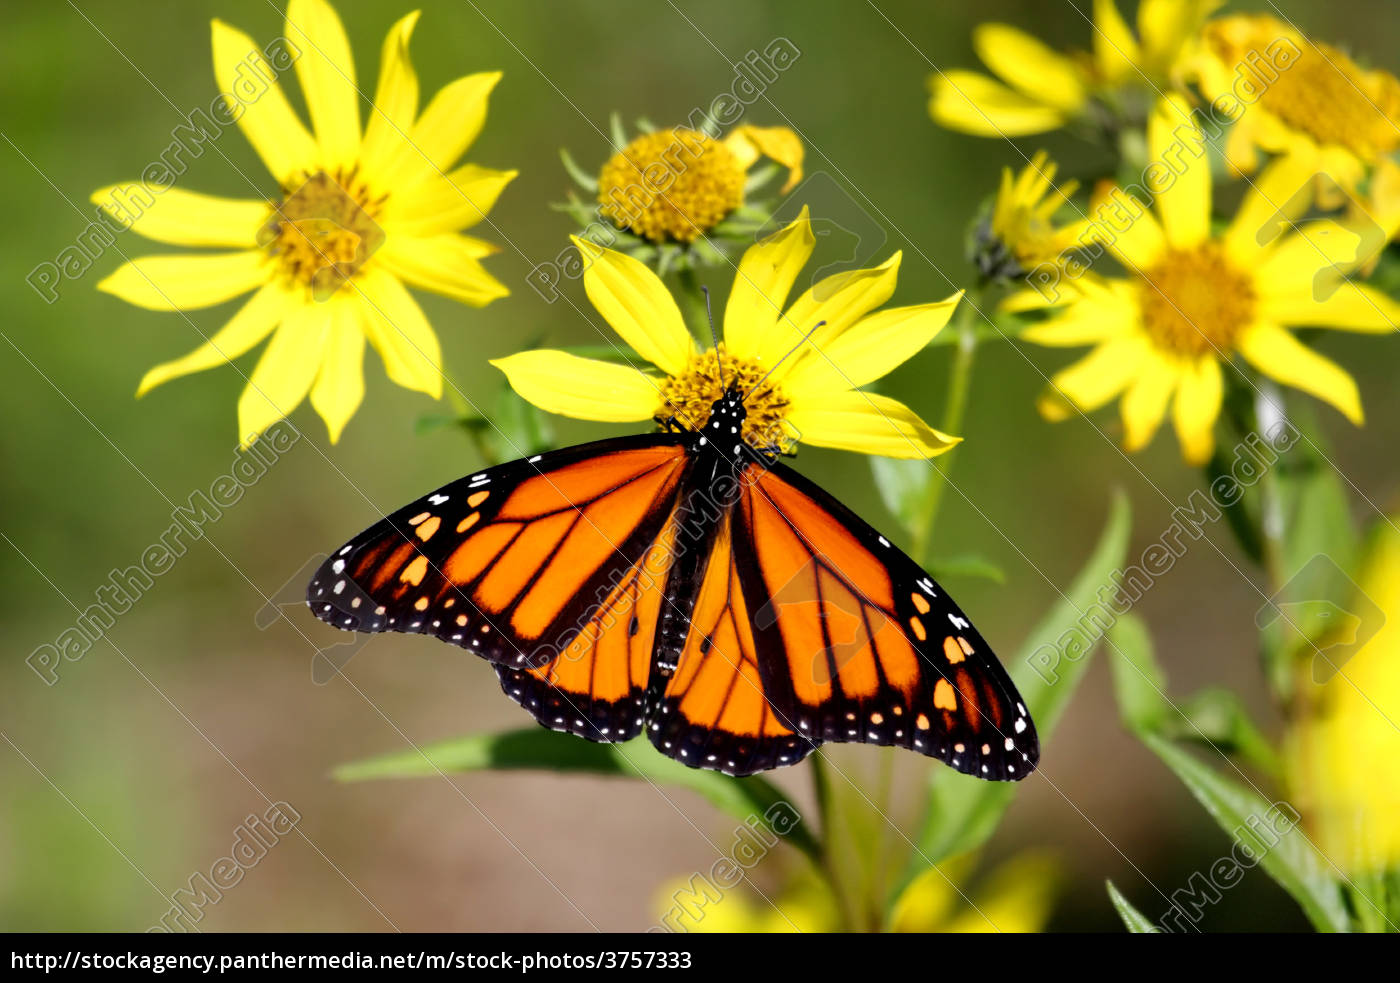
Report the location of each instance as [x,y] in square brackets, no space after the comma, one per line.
[445,264]
[634,301]
[395,103]
[826,310]
[253,322]
[867,423]
[186,283]
[973,103]
[1030,66]
[1115,49]
[327,72]
[1145,401]
[1127,228]
[777,143]
[261,108]
[399,332]
[285,372]
[1350,307]
[1196,407]
[870,348]
[340,383]
[1176,143]
[1093,380]
[1318,251]
[1168,25]
[1087,322]
[1276,199]
[184,218]
[761,286]
[450,123]
[1282,357]
[582,388]
[447,203]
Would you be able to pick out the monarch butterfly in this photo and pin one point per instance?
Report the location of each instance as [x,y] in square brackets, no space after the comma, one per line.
[715,598]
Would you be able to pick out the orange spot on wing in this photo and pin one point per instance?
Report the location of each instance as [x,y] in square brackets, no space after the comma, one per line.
[415,571]
[943,698]
[476,498]
[952,651]
[426,529]
[919,602]
[468,522]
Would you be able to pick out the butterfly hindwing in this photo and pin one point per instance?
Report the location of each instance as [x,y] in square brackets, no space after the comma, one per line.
[713,711]
[857,643]
[511,563]
[596,687]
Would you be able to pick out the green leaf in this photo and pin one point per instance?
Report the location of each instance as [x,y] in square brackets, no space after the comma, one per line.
[589,182]
[1318,549]
[1217,717]
[966,565]
[963,811]
[903,487]
[1268,831]
[1283,848]
[535,748]
[1135,921]
[619,132]
[1138,682]
[519,428]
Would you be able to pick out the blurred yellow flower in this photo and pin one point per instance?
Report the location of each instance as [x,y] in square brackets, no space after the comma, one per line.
[676,185]
[1020,233]
[1044,90]
[1015,896]
[1309,100]
[1190,299]
[361,214]
[814,394]
[1344,757]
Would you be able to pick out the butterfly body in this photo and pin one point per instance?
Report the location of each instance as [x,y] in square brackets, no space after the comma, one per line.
[689,586]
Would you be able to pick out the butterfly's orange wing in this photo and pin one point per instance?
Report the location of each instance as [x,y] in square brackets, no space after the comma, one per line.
[548,567]
[820,629]
[714,711]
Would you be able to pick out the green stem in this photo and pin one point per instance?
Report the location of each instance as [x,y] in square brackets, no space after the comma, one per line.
[470,422]
[826,809]
[954,408]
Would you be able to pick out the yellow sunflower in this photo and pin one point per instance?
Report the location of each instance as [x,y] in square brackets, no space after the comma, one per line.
[676,185]
[1306,99]
[1041,89]
[1190,300]
[360,214]
[1020,234]
[812,395]
[1343,756]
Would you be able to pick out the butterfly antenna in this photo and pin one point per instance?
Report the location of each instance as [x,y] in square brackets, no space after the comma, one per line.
[714,336]
[759,384]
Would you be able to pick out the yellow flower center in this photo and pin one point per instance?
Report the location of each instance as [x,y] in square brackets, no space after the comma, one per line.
[1194,303]
[689,396]
[671,185]
[324,231]
[1321,93]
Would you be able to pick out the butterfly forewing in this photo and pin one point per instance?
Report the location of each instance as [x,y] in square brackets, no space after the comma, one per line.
[511,563]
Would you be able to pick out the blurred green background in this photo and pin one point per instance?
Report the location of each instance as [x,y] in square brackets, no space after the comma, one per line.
[134,771]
